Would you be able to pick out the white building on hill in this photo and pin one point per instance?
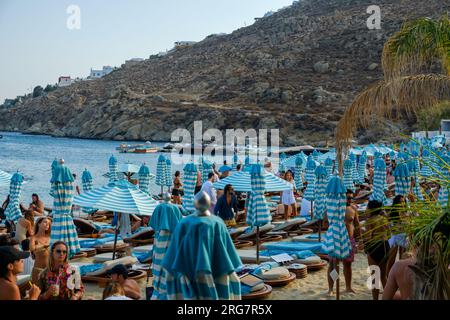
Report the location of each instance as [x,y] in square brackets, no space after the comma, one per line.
[95,74]
[64,81]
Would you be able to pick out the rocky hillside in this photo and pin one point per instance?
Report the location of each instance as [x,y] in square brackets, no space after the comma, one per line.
[296,70]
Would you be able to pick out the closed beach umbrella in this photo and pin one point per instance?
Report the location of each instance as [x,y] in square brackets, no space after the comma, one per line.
[54,168]
[189,181]
[426,164]
[113,169]
[283,157]
[87,185]
[206,169]
[348,175]
[235,161]
[329,167]
[310,177]
[298,173]
[164,220]
[144,179]
[444,182]
[316,155]
[402,179]
[379,180]
[414,169]
[161,172]
[5,178]
[168,180]
[241,182]
[362,168]
[13,212]
[63,228]
[355,175]
[337,242]
[321,185]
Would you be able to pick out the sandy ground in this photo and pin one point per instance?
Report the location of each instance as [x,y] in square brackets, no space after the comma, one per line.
[313,287]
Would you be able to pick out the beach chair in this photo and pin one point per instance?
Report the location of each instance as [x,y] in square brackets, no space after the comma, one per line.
[142,237]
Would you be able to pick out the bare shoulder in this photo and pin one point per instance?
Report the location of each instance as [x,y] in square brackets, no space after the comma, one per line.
[9,291]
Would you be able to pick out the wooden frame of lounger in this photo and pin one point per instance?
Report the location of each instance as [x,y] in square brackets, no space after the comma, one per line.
[260,294]
[119,247]
[239,244]
[317,266]
[79,255]
[299,273]
[103,279]
[90,252]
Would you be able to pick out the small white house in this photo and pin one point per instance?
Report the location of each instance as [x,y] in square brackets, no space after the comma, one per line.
[64,81]
[95,74]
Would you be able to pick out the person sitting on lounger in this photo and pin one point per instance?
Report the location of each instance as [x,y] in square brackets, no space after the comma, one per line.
[11,264]
[119,273]
[36,205]
[114,291]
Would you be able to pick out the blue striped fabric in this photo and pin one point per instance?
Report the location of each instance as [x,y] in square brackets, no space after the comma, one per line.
[426,164]
[113,169]
[121,196]
[348,175]
[258,213]
[337,242]
[189,181]
[13,212]
[362,168]
[282,167]
[5,178]
[298,177]
[444,181]
[168,172]
[379,181]
[144,179]
[414,169]
[160,245]
[161,171]
[241,182]
[63,228]
[310,177]
[54,167]
[402,179]
[87,185]
[124,225]
[205,170]
[316,155]
[235,161]
[290,162]
[355,175]
[329,167]
[320,205]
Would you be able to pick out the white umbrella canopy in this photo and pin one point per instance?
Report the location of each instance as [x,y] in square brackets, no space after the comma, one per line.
[241,182]
[120,196]
[128,168]
[5,178]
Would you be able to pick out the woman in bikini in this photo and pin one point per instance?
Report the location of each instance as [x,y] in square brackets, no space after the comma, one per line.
[40,246]
[24,228]
[176,190]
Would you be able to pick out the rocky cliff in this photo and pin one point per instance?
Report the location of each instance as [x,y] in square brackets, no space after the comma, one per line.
[296,70]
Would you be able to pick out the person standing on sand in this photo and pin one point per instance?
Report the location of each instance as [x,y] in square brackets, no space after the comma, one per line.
[208,187]
[40,246]
[176,190]
[287,197]
[353,226]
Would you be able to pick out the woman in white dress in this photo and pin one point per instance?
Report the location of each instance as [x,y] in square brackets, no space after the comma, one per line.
[287,196]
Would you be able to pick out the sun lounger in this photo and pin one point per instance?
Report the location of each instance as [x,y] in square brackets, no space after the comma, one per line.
[84,226]
[251,233]
[236,232]
[109,246]
[294,246]
[144,249]
[144,236]
[264,292]
[289,224]
[312,237]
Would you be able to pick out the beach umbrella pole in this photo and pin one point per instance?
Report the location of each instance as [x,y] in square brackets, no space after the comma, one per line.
[336,264]
[312,210]
[115,238]
[320,229]
[257,245]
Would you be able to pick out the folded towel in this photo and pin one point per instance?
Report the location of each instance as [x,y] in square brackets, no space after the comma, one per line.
[303,254]
[85,269]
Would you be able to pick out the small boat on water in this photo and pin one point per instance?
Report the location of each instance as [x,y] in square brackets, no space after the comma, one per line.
[137,148]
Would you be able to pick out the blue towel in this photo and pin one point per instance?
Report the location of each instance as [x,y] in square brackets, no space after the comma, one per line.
[245,289]
[143,257]
[90,268]
[90,243]
[293,247]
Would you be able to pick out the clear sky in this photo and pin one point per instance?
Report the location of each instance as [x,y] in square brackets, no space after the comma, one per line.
[36,47]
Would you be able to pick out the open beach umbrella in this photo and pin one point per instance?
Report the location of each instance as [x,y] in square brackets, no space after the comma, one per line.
[258,212]
[320,204]
[63,228]
[329,167]
[337,242]
[355,175]
[200,262]
[298,178]
[144,179]
[402,179]
[414,169]
[164,220]
[13,212]
[113,169]
[168,180]
[362,168]
[87,185]
[5,178]
[189,181]
[348,175]
[290,162]
[310,177]
[241,182]
[161,172]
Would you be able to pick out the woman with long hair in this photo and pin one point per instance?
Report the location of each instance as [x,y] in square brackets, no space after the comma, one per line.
[287,196]
[36,205]
[39,246]
[376,242]
[176,190]
[60,280]
[24,227]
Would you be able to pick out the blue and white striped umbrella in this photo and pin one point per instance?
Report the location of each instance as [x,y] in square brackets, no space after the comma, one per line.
[298,173]
[5,178]
[283,157]
[445,178]
[206,169]
[337,242]
[144,179]
[362,168]
[113,169]
[13,212]
[241,182]
[310,177]
[426,164]
[320,205]
[348,175]
[54,168]
[402,179]
[87,185]
[235,161]
[316,155]
[379,181]
[414,169]
[189,181]
[355,175]
[168,180]
[161,171]
[258,212]
[120,196]
[329,167]
[290,162]
[63,228]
